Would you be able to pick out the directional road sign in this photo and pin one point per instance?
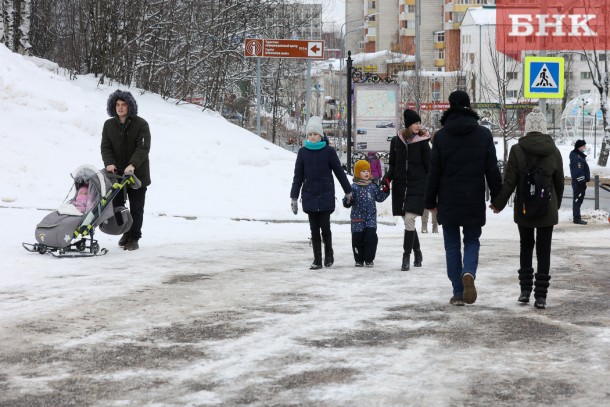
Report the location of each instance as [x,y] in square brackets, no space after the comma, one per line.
[543,77]
[269,48]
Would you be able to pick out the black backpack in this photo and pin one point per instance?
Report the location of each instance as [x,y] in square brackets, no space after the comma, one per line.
[535,196]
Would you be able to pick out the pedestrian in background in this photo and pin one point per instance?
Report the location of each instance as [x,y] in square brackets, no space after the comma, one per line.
[313,179]
[579,171]
[463,158]
[363,215]
[408,170]
[533,232]
[375,162]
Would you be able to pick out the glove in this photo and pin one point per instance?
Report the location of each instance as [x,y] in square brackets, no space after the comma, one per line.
[294,206]
[346,203]
[348,198]
[385,185]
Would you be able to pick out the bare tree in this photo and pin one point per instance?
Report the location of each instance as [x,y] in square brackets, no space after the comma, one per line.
[15,25]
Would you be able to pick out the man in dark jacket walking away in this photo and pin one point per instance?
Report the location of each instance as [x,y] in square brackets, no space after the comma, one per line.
[579,171]
[463,157]
[125,147]
[534,232]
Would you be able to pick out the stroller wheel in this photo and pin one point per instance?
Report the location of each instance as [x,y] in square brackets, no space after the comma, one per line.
[41,249]
[95,247]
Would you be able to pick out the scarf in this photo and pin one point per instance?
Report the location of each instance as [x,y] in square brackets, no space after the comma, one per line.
[314,146]
[362,182]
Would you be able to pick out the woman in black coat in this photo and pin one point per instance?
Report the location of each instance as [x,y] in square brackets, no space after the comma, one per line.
[313,177]
[408,170]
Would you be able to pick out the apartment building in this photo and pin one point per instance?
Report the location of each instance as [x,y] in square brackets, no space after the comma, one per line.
[296,21]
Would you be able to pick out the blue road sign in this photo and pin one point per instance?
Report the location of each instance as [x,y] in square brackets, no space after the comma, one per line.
[543,77]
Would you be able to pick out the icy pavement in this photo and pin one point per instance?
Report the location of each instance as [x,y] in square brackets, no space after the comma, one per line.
[209,321]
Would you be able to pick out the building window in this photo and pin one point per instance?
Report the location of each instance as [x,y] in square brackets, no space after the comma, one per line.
[471,57]
[439,36]
[511,94]
[583,57]
[601,57]
[411,9]
[512,75]
[440,54]
[461,82]
[585,75]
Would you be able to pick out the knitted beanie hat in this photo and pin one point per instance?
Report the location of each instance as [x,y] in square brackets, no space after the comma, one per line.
[410,117]
[535,122]
[579,144]
[314,125]
[459,98]
[361,165]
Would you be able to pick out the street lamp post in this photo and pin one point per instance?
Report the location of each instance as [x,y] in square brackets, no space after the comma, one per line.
[341,58]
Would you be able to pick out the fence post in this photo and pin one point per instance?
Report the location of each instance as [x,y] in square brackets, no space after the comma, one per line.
[596,192]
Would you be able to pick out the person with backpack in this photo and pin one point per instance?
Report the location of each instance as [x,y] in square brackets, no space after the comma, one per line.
[579,171]
[534,157]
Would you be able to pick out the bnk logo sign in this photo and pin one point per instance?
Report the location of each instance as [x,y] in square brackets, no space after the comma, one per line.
[523,25]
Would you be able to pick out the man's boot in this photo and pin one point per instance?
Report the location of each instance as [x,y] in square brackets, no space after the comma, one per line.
[316,243]
[526,281]
[541,285]
[434,226]
[417,251]
[329,258]
[407,245]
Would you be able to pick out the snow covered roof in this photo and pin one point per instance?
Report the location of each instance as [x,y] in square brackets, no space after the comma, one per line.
[480,16]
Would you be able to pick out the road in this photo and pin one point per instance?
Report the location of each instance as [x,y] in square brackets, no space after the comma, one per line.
[251,325]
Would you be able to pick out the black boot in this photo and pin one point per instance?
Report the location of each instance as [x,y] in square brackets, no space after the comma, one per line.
[407,245]
[417,251]
[526,281]
[541,286]
[316,243]
[329,258]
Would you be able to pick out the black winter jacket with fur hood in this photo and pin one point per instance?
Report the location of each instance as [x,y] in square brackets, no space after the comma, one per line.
[128,143]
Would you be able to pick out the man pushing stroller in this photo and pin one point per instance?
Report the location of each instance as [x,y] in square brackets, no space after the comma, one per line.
[125,147]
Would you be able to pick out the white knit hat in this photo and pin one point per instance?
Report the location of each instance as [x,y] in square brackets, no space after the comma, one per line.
[535,121]
[314,125]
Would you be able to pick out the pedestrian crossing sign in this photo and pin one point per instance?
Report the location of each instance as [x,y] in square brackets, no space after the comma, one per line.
[543,77]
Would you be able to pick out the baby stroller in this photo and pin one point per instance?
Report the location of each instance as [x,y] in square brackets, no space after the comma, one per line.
[68,231]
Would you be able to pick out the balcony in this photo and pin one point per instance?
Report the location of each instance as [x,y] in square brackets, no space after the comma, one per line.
[439,63]
[439,45]
[407,32]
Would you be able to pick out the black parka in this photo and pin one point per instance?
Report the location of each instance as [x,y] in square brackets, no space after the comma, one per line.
[534,145]
[127,143]
[463,158]
[408,171]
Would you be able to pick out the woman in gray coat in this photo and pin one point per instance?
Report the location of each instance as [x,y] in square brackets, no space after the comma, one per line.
[536,232]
